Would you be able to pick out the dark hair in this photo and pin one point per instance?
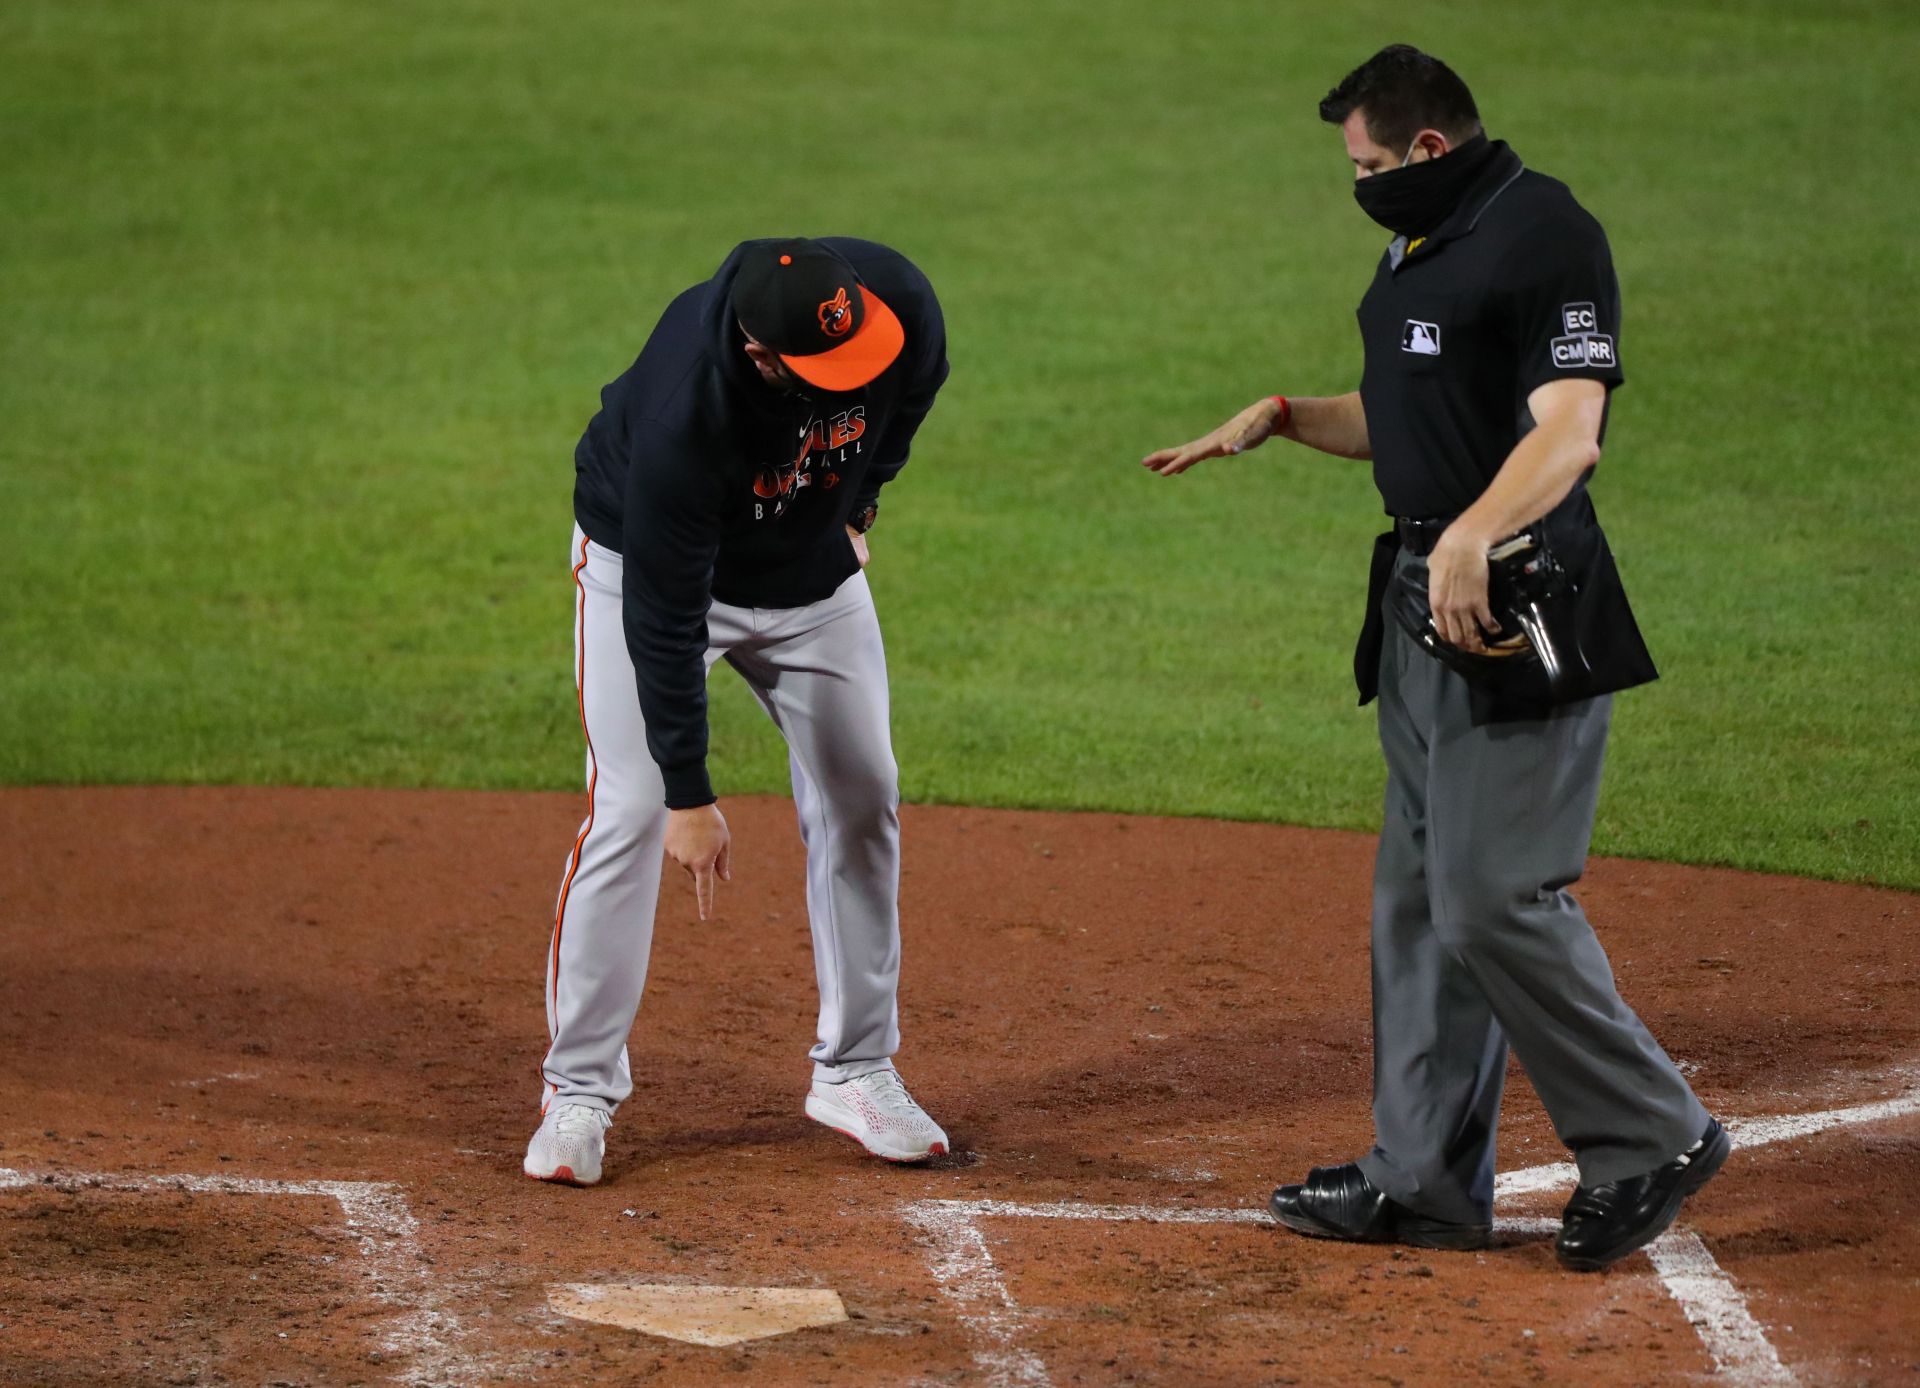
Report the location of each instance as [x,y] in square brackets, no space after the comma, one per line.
[1402,91]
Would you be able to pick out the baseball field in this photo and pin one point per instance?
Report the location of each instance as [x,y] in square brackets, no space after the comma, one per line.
[306,304]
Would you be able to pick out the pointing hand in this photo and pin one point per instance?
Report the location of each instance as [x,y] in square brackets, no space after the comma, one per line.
[698,840]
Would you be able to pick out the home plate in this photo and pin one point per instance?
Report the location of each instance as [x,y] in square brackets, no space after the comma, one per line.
[699,1315]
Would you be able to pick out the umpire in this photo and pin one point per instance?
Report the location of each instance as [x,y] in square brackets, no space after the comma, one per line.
[1491,346]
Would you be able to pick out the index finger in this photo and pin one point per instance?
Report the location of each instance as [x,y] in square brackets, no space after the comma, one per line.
[703,890]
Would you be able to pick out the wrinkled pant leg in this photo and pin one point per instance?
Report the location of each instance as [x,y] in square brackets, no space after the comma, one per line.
[1439,1056]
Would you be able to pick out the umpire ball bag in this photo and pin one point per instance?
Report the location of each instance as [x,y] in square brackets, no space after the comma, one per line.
[1537,646]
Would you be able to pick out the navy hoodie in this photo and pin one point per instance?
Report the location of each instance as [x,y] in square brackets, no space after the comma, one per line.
[714,485]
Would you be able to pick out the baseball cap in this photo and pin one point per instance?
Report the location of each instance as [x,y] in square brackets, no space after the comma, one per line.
[803,300]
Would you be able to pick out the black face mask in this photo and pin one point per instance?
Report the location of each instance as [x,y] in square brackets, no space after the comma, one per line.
[1415,198]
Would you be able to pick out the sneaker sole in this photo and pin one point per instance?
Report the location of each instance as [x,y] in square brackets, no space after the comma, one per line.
[562,1176]
[938,1149]
[1703,1171]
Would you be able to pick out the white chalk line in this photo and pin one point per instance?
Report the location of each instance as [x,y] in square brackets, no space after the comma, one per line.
[216,1079]
[376,1214]
[1717,1310]
[1746,1132]
[964,1269]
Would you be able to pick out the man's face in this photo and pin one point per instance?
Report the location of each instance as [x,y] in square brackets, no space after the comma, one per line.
[1370,159]
[772,370]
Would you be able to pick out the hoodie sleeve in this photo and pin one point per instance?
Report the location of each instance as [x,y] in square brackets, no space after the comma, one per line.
[671,533]
[928,343]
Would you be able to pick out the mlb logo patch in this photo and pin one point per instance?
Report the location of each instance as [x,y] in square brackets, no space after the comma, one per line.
[1420,338]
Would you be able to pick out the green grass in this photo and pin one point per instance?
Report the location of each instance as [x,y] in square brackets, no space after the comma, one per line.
[306,302]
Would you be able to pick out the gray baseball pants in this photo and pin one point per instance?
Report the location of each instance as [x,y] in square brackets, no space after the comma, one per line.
[820,672]
[1478,946]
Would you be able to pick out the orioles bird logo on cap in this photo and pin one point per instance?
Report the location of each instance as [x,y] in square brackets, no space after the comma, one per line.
[836,315]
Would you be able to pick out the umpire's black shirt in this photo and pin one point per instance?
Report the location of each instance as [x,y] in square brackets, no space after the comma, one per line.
[711,484]
[1513,290]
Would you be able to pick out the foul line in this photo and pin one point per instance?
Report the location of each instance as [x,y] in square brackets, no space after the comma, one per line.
[964,1269]
[376,1214]
[1746,1132]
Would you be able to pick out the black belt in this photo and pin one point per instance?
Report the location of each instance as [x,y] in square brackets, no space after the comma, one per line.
[1418,537]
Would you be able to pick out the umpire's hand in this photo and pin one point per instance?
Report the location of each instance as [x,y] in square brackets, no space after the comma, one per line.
[1457,589]
[1250,428]
[698,840]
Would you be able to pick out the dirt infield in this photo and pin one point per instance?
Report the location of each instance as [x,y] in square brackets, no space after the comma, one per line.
[269,1065]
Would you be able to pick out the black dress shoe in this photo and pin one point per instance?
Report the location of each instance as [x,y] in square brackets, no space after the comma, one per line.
[1339,1202]
[1604,1223]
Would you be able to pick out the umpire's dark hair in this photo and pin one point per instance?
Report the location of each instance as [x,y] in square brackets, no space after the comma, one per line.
[1401,91]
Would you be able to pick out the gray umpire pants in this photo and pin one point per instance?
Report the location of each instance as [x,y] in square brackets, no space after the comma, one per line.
[1478,946]
[820,672]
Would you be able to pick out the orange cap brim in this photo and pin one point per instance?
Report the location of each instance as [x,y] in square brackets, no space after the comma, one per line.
[861,357]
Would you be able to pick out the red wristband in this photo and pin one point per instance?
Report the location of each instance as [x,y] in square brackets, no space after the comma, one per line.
[1286,411]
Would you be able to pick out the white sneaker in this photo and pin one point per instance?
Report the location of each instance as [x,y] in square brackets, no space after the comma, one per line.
[877,1112]
[568,1145]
